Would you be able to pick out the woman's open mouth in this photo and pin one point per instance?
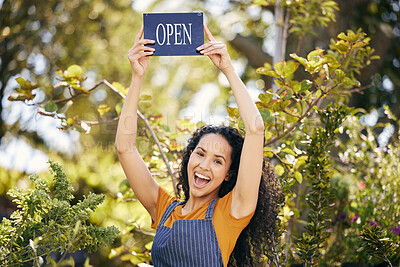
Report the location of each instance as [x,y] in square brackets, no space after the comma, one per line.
[200,180]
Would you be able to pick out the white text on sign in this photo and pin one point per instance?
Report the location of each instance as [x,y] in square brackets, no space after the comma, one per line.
[177,32]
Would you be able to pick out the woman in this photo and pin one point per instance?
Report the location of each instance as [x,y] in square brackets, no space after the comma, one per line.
[221,177]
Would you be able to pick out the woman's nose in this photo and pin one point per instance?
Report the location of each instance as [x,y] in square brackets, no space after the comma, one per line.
[205,164]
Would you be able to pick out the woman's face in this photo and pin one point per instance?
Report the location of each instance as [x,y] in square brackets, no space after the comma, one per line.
[208,166]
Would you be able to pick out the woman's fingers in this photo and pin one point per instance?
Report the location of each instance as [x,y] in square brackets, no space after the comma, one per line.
[142,43]
[136,56]
[209,47]
[139,34]
[210,37]
[140,50]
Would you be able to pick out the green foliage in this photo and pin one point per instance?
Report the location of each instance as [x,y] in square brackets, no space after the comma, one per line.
[46,222]
[306,14]
[24,92]
[377,243]
[308,246]
[289,113]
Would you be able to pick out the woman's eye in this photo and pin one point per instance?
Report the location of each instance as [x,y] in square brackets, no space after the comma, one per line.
[200,154]
[218,162]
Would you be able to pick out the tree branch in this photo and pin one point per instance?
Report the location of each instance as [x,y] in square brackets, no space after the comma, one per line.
[79,93]
[295,124]
[170,172]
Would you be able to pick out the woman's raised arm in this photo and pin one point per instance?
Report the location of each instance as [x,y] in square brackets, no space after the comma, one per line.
[136,171]
[245,193]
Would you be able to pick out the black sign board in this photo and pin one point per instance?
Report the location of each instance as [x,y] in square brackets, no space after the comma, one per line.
[175,34]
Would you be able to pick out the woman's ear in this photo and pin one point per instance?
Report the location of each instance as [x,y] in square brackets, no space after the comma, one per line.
[228,176]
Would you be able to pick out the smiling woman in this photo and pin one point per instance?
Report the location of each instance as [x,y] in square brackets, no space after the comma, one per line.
[230,197]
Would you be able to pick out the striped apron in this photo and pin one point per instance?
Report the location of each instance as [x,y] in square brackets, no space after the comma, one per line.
[188,243]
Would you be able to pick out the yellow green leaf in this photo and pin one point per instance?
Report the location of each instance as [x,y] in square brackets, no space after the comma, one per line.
[74,71]
[290,67]
[301,161]
[313,54]
[342,46]
[118,108]
[268,135]
[265,97]
[342,36]
[268,154]
[232,112]
[340,74]
[348,81]
[149,245]
[280,67]
[303,61]
[279,170]
[318,93]
[267,72]
[298,177]
[288,150]
[120,87]
[103,109]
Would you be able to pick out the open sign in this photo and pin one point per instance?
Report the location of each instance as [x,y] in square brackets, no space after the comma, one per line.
[175,34]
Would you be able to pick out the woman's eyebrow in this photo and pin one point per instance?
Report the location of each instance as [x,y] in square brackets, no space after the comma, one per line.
[218,156]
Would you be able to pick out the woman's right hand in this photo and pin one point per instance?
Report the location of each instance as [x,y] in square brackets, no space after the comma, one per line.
[138,54]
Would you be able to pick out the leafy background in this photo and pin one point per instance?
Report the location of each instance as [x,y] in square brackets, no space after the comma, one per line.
[40,37]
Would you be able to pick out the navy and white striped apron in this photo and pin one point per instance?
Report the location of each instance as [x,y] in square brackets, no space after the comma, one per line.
[188,242]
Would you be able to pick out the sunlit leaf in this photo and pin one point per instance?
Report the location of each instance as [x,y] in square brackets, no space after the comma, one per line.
[74,71]
[233,112]
[118,108]
[120,87]
[288,150]
[313,54]
[342,46]
[298,177]
[267,72]
[103,109]
[279,170]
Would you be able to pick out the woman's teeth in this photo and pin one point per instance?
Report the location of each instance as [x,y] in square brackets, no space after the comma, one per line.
[203,177]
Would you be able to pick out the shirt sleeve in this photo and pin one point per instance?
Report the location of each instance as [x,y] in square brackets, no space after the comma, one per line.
[163,200]
[225,208]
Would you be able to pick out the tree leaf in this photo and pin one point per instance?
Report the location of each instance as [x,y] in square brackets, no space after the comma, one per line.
[279,170]
[233,112]
[267,72]
[118,108]
[288,151]
[298,177]
[313,54]
[342,46]
[50,106]
[120,87]
[103,109]
[74,71]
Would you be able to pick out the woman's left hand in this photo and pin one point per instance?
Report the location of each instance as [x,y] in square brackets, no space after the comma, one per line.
[216,51]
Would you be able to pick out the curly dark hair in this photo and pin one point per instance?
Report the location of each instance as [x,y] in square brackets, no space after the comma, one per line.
[257,239]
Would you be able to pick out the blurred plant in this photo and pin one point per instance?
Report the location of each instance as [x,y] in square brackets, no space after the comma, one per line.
[290,108]
[288,114]
[318,170]
[368,158]
[377,243]
[71,79]
[46,222]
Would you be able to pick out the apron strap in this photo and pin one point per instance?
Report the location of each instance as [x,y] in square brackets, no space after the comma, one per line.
[210,209]
[168,211]
[173,205]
